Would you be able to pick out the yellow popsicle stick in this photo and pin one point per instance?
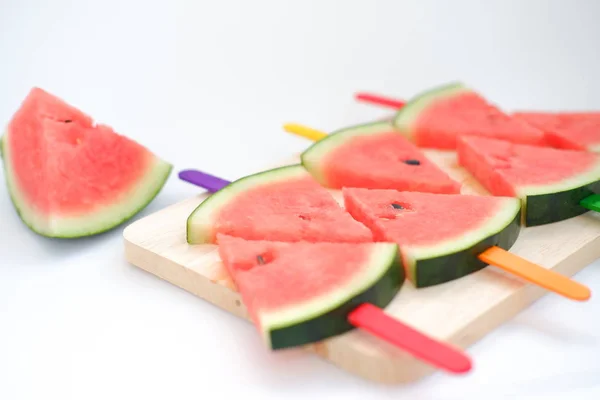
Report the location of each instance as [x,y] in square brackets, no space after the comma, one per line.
[304,131]
[535,274]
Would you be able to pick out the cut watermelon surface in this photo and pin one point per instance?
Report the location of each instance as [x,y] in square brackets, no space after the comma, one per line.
[436,118]
[550,182]
[440,235]
[374,156]
[284,204]
[299,293]
[68,177]
[567,130]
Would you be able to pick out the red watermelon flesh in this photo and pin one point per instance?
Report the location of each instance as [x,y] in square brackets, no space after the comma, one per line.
[567,130]
[375,156]
[508,169]
[437,118]
[69,177]
[550,182]
[428,225]
[305,289]
[284,204]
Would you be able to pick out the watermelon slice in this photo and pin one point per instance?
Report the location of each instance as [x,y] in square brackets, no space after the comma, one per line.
[567,130]
[374,156]
[68,177]
[284,204]
[436,118]
[550,182]
[299,293]
[440,235]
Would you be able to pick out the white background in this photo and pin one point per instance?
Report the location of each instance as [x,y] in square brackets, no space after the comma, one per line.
[207,84]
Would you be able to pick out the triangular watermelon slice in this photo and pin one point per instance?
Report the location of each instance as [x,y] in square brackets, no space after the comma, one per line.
[440,235]
[567,130]
[438,117]
[299,293]
[374,156]
[68,177]
[550,182]
[284,204]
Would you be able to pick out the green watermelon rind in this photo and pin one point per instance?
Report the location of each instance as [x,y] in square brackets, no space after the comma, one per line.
[405,119]
[312,158]
[94,222]
[327,316]
[546,204]
[457,258]
[200,223]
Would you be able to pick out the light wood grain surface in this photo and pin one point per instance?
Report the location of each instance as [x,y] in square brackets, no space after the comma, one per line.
[460,312]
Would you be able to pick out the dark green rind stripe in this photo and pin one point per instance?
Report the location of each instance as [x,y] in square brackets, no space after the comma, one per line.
[443,269]
[553,207]
[336,322]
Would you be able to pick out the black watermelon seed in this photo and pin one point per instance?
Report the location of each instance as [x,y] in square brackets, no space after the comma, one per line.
[412,162]
[260,260]
[66,121]
[397,206]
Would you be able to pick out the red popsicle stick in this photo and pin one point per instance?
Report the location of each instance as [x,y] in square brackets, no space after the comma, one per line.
[379,100]
[377,322]
[370,317]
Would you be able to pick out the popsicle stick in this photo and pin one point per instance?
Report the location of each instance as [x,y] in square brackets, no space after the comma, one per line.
[369,317]
[202,179]
[379,100]
[534,273]
[592,202]
[375,321]
[305,131]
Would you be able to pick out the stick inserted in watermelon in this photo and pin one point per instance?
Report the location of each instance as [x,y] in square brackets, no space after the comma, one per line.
[372,156]
[575,130]
[437,117]
[502,236]
[444,237]
[568,130]
[334,288]
[288,203]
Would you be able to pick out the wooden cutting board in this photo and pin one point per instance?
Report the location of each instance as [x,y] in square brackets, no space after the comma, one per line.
[460,312]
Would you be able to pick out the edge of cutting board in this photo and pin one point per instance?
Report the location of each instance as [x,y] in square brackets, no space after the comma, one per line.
[460,312]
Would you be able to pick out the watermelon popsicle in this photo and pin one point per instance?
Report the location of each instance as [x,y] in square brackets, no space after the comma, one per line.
[372,156]
[356,307]
[552,184]
[575,130]
[566,130]
[499,256]
[436,118]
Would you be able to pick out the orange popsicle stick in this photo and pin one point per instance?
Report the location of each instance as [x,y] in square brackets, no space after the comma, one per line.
[535,274]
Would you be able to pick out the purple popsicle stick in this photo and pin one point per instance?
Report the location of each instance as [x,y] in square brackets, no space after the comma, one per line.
[206,181]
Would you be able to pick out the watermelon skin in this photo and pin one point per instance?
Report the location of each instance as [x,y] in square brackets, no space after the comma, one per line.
[567,130]
[440,235]
[439,116]
[374,156]
[68,177]
[304,292]
[284,204]
[551,183]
